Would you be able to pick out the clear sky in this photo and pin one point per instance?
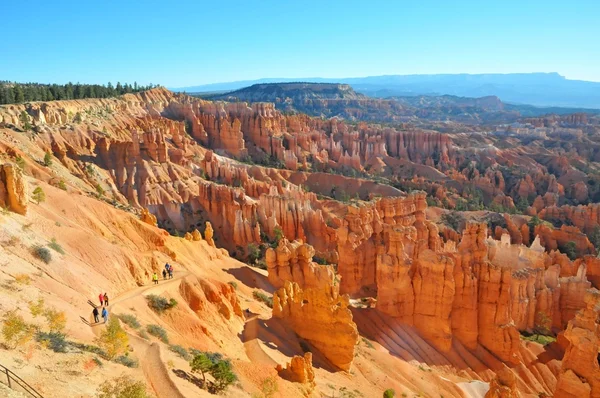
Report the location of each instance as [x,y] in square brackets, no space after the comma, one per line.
[190,42]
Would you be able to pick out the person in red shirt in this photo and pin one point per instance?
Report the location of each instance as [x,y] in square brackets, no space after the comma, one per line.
[101,298]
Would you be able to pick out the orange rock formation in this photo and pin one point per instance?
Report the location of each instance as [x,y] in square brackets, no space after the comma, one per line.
[321,316]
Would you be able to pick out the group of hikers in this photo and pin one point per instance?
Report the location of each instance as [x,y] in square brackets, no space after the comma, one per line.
[168,271]
[103,303]
[103,298]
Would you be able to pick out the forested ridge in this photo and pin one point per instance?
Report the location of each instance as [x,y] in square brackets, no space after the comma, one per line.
[16,93]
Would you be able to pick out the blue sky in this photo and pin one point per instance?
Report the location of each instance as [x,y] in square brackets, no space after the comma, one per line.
[191,42]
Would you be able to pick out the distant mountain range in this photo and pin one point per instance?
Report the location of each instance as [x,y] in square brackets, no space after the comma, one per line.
[340,100]
[538,89]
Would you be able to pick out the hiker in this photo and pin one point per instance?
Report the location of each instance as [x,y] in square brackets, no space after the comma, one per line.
[106,299]
[101,298]
[155,278]
[105,314]
[164,274]
[167,266]
[170,272]
[95,312]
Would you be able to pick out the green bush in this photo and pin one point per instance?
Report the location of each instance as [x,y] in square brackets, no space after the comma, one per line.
[160,304]
[234,284]
[48,159]
[260,296]
[125,360]
[389,393]
[55,340]
[159,332]
[62,185]
[56,247]
[214,364]
[42,253]
[253,252]
[130,320]
[570,249]
[179,350]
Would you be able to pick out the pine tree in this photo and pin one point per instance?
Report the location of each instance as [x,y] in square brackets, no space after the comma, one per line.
[39,195]
[24,119]
[201,364]
[47,159]
[18,93]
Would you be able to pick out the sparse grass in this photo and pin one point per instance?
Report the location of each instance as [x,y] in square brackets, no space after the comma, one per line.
[55,246]
[98,362]
[94,349]
[22,279]
[160,304]
[143,334]
[53,340]
[13,241]
[20,162]
[42,253]
[130,320]
[125,360]
[260,296]
[26,227]
[158,332]
[234,284]
[368,343]
[179,350]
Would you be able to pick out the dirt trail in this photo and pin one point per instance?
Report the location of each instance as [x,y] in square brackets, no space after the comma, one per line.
[154,368]
[252,346]
[143,289]
[155,371]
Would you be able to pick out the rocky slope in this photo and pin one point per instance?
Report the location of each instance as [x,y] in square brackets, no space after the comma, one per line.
[372,280]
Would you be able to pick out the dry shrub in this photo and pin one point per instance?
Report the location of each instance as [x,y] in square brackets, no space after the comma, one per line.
[22,279]
[113,340]
[57,320]
[15,330]
[37,308]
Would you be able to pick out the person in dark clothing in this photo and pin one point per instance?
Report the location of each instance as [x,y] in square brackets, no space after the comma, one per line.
[170,272]
[164,274]
[95,312]
[106,299]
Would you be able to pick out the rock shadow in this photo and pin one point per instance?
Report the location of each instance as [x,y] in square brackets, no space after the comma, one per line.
[251,278]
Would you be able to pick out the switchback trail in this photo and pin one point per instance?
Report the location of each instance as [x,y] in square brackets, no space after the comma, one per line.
[155,370]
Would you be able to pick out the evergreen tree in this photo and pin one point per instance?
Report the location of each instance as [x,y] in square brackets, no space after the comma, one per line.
[39,195]
[24,119]
[18,93]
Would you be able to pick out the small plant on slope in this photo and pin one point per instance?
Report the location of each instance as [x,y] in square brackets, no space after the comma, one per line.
[159,332]
[123,387]
[42,253]
[113,340]
[160,304]
[38,195]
